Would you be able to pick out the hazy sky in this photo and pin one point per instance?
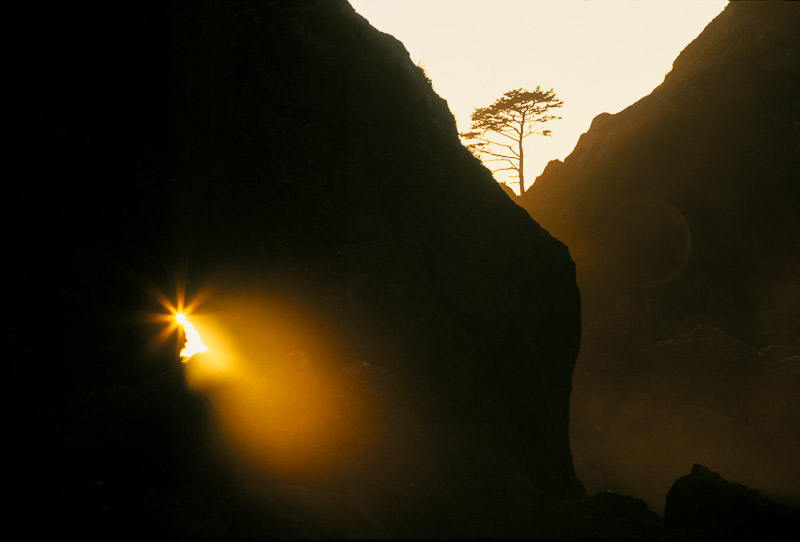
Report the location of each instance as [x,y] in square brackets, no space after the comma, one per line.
[598,55]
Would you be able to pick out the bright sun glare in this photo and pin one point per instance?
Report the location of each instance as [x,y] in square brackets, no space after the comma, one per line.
[285,399]
[178,317]
[194,344]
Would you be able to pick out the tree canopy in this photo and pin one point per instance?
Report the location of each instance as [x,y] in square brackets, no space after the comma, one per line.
[497,131]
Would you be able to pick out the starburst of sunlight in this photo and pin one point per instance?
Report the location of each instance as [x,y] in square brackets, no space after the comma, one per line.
[194,344]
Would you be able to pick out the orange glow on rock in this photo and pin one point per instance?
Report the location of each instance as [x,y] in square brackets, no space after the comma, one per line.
[285,397]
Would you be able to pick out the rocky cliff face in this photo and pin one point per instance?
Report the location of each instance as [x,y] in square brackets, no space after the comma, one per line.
[288,154]
[314,156]
[682,213]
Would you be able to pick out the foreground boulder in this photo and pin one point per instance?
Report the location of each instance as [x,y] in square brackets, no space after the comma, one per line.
[705,505]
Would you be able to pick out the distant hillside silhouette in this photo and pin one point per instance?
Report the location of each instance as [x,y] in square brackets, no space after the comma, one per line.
[682,213]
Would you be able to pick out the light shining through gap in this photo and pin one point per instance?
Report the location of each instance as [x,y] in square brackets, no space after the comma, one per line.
[194,344]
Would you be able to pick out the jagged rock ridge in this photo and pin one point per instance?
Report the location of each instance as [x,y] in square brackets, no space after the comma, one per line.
[682,213]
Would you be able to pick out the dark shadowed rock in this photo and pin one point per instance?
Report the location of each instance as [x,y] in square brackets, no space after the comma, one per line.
[682,213]
[300,513]
[703,505]
[314,157]
[277,150]
[612,515]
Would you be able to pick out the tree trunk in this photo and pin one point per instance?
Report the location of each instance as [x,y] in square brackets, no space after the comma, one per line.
[521,159]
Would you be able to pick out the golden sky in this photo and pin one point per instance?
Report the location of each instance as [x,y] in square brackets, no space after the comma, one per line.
[598,55]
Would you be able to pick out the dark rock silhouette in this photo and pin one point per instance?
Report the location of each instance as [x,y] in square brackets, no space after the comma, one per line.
[310,140]
[703,505]
[281,149]
[682,213]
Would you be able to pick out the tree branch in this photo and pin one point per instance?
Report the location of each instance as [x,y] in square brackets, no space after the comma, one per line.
[509,147]
[498,155]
